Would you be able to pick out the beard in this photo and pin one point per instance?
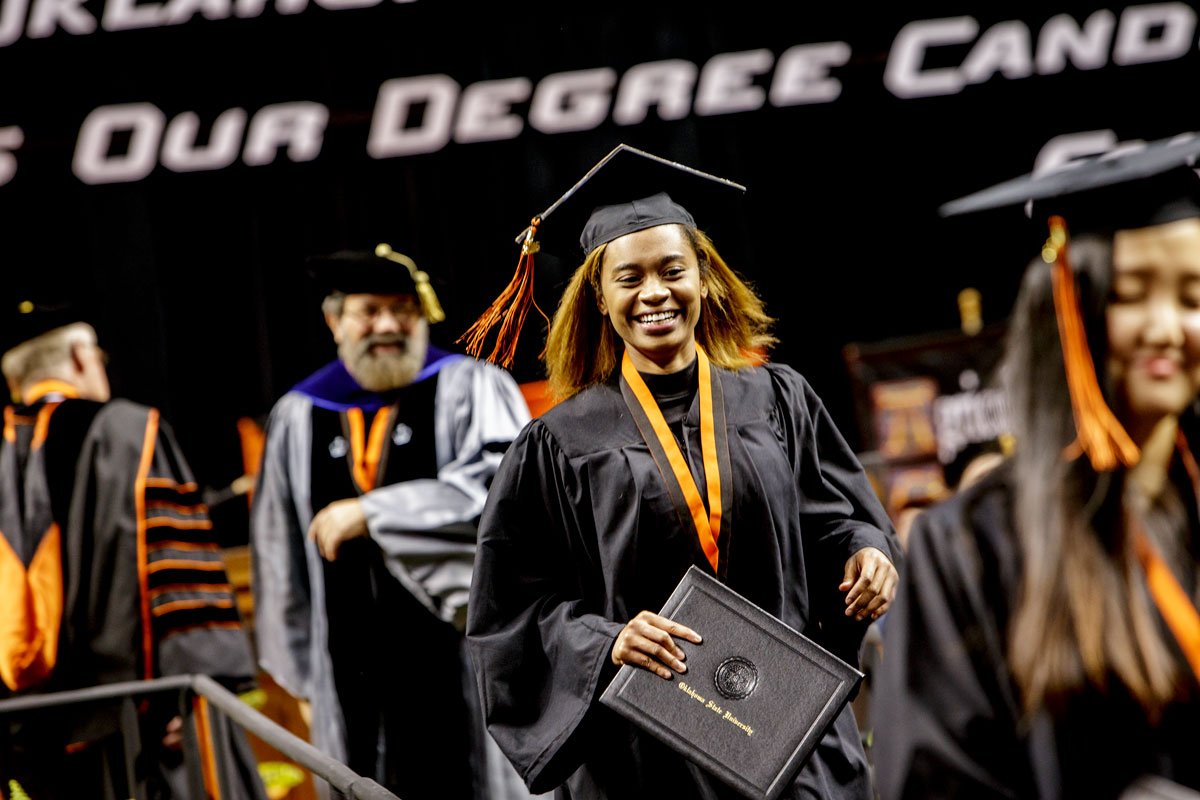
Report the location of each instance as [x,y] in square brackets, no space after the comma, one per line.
[382,371]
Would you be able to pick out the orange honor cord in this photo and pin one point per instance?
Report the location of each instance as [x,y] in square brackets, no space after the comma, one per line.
[1172,601]
[708,526]
[366,450]
[509,309]
[1099,433]
[375,443]
[708,446]
[354,421]
[208,763]
[139,499]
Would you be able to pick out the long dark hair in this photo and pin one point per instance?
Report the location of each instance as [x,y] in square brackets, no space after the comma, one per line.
[1083,614]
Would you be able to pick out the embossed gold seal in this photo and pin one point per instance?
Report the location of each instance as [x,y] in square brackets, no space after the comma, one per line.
[736,678]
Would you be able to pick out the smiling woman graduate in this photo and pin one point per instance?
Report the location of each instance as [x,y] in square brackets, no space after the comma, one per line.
[1044,641]
[670,449]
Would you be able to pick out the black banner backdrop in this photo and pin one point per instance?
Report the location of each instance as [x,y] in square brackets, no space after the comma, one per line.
[177,159]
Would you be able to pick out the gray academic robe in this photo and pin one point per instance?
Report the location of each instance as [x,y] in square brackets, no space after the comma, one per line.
[477,410]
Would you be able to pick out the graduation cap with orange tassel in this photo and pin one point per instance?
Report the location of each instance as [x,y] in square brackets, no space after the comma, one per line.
[1136,187]
[627,191]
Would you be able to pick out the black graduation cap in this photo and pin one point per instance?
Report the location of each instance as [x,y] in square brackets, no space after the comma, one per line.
[27,315]
[627,191]
[382,272]
[1134,187]
[355,271]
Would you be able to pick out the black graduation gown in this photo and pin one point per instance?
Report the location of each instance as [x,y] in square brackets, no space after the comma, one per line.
[580,534]
[946,712]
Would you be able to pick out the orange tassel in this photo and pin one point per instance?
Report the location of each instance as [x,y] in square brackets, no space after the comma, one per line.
[509,309]
[1099,433]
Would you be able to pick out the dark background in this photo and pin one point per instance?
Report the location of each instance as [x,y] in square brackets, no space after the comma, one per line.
[197,280]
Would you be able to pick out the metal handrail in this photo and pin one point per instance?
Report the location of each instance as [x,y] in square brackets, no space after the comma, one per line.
[336,773]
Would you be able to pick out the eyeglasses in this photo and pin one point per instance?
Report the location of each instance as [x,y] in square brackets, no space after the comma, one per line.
[368,313]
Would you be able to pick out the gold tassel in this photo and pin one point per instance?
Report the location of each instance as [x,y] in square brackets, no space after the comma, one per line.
[1099,433]
[429,301]
[509,309]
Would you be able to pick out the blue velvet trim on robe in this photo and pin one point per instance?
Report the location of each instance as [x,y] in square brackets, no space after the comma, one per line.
[332,387]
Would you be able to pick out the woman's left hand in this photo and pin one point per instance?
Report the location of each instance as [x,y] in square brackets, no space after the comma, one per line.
[870,584]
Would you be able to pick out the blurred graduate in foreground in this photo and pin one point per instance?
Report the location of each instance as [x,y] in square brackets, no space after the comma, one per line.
[1045,641]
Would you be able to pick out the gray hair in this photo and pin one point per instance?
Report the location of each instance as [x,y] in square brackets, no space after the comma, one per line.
[333,303]
[45,356]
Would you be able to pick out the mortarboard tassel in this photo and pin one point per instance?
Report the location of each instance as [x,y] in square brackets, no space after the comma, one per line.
[509,309]
[1099,433]
[425,293]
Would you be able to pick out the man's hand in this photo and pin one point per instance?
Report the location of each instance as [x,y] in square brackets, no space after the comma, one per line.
[646,642]
[336,524]
[173,735]
[870,584]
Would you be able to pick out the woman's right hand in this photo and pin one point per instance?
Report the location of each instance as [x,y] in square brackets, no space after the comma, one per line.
[646,642]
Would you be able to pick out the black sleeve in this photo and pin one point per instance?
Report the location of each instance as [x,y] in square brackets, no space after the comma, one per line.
[539,650]
[839,511]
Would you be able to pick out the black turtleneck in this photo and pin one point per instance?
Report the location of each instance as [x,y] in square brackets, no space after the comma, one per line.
[673,392]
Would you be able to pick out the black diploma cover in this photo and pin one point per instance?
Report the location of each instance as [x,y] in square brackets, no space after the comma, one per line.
[755,700]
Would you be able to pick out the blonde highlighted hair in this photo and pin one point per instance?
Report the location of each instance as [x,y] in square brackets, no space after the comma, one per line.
[581,349]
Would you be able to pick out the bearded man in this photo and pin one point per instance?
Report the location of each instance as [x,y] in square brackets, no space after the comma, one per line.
[375,470]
